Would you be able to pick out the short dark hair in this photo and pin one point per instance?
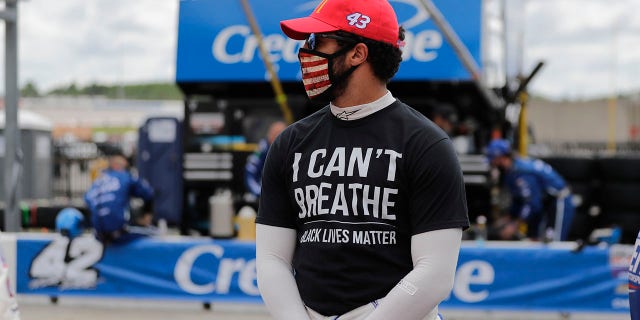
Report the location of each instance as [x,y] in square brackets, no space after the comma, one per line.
[384,57]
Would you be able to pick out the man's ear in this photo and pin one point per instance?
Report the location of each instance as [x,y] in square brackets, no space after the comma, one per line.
[359,54]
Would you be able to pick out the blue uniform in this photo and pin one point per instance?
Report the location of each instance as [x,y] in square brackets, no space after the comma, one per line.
[108,200]
[253,168]
[634,281]
[538,193]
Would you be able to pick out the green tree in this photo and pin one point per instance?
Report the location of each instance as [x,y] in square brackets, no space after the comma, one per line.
[147,91]
[95,90]
[71,90]
[29,90]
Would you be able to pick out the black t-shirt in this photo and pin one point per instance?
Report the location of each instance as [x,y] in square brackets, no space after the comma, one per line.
[355,192]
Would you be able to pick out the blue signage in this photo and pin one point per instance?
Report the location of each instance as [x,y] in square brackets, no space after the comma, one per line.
[190,269]
[522,276]
[216,43]
[543,278]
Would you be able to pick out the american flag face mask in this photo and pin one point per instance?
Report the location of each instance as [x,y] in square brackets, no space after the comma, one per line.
[316,69]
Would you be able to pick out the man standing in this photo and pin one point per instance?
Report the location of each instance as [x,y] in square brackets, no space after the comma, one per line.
[108,201]
[540,197]
[363,203]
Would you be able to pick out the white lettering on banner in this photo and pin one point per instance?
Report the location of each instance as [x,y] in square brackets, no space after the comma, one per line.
[475,272]
[67,264]
[620,303]
[246,275]
[422,46]
[279,47]
[220,44]
[246,270]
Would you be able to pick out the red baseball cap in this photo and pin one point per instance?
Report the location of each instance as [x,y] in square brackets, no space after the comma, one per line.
[372,19]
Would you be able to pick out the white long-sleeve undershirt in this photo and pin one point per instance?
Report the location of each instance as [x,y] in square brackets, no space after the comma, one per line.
[274,252]
[435,256]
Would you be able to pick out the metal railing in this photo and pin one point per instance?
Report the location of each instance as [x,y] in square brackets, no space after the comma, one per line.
[586,149]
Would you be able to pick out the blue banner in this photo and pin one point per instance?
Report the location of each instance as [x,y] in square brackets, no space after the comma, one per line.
[490,277]
[538,277]
[216,43]
[198,269]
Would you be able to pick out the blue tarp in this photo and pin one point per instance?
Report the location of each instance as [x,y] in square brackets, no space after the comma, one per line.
[495,277]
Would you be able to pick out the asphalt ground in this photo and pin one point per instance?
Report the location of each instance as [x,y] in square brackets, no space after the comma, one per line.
[73,308]
[79,308]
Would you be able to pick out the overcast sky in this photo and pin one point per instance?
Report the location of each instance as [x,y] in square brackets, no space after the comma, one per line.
[590,47]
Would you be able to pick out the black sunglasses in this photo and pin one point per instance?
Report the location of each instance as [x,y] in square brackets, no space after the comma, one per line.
[311,41]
